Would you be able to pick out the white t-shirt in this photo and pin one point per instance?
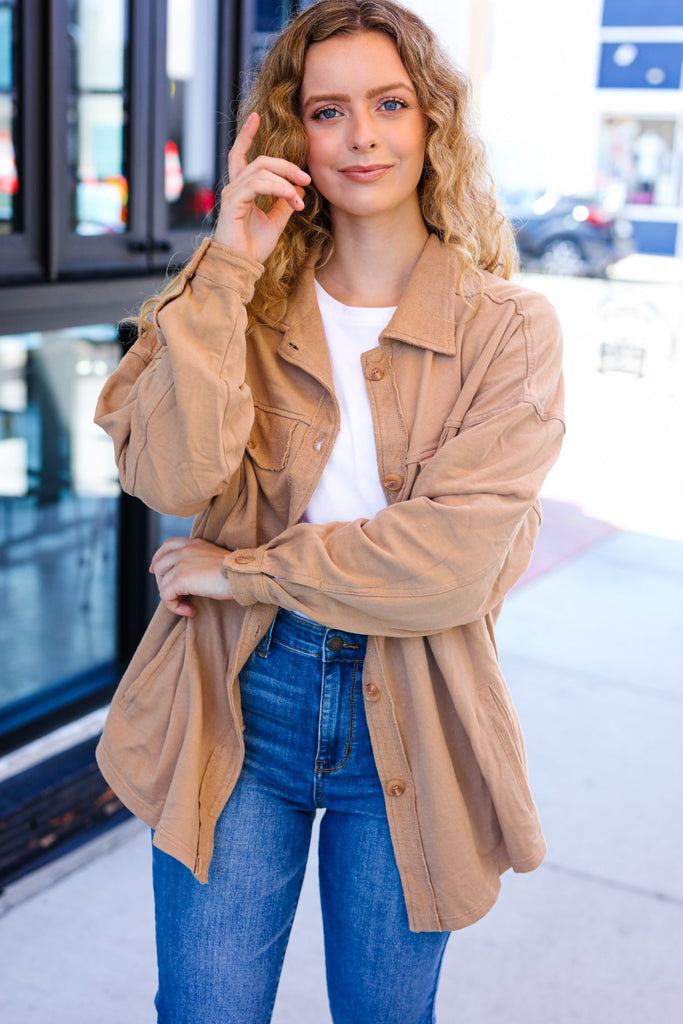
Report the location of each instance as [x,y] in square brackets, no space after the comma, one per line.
[350,487]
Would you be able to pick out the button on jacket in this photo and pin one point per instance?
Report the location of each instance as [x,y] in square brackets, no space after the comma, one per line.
[466,398]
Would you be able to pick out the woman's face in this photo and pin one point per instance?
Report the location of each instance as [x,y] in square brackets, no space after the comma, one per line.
[366,132]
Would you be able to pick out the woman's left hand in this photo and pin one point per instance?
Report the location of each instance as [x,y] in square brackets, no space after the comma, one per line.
[184,567]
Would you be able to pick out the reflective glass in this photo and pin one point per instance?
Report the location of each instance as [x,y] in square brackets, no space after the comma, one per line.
[98,117]
[9,116]
[269,18]
[271,14]
[59,500]
[190,143]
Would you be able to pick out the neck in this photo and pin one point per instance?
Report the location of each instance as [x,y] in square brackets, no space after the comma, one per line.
[372,262]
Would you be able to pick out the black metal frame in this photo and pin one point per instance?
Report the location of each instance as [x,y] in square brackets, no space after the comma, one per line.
[47,281]
[45,250]
[21,253]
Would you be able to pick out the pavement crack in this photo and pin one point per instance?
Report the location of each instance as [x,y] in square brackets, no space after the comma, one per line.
[611,883]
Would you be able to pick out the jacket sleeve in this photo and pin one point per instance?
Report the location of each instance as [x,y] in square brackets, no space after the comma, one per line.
[447,555]
[177,407]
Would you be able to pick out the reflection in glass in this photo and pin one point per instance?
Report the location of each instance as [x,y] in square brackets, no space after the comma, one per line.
[269,18]
[9,117]
[190,145]
[58,521]
[637,160]
[98,116]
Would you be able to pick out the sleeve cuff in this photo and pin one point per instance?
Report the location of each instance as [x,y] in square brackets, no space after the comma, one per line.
[228,268]
[221,265]
[243,570]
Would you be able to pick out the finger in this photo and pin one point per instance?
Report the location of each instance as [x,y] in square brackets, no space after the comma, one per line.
[173,591]
[181,606]
[283,168]
[282,210]
[261,181]
[263,169]
[171,546]
[237,157]
[265,183]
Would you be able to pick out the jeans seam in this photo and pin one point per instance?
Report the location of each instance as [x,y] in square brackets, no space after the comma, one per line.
[299,650]
[349,742]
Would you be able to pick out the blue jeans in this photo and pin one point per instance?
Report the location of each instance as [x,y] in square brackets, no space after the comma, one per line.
[220,946]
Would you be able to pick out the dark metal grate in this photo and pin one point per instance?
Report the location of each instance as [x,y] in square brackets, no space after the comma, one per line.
[52,808]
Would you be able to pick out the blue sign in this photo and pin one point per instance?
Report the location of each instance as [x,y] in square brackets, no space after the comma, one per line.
[642,12]
[634,65]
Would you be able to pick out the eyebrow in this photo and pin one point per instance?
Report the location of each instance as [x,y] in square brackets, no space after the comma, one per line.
[345,98]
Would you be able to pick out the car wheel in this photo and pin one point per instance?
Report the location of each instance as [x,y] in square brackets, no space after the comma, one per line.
[562,257]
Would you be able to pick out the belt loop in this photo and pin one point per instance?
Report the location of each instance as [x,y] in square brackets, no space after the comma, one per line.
[263,647]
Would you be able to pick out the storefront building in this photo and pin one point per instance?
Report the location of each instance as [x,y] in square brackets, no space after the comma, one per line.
[111,154]
[640,82]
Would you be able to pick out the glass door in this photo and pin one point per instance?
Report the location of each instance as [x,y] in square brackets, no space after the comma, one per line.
[98,142]
[100,98]
[186,125]
[140,104]
[59,509]
[20,199]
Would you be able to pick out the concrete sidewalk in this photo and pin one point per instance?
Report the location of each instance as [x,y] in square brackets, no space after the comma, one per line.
[592,646]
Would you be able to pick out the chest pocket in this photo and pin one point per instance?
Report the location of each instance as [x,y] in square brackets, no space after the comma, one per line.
[270,441]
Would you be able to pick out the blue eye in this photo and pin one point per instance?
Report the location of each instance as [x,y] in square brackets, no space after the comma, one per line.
[393,104]
[326,114]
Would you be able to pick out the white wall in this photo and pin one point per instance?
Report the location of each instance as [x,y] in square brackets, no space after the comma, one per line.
[540,105]
[534,65]
[451,20]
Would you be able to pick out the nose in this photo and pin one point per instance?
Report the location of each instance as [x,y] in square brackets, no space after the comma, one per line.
[361,133]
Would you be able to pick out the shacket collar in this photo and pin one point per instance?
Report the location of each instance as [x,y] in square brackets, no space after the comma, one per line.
[432,298]
[434,286]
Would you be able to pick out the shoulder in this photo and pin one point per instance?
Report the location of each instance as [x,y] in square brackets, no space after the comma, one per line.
[523,317]
[443,286]
[516,333]
[500,297]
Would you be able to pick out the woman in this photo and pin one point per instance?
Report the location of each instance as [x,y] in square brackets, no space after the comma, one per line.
[360,410]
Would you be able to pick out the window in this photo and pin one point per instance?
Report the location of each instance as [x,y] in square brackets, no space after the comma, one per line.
[20,200]
[112,149]
[136,132]
[59,500]
[115,121]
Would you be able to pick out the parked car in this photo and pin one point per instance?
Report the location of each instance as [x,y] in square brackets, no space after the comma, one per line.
[568,234]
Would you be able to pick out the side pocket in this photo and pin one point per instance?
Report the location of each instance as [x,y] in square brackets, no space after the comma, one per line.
[449,431]
[507,728]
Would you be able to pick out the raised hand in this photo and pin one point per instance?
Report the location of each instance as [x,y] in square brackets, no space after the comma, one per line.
[241,224]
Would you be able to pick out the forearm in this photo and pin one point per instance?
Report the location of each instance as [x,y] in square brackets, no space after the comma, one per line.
[443,558]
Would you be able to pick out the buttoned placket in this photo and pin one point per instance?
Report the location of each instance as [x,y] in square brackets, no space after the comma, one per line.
[391,435]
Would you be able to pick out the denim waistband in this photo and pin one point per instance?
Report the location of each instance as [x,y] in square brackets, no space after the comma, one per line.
[313,639]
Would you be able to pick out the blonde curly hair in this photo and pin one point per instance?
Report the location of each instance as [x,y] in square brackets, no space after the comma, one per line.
[456,192]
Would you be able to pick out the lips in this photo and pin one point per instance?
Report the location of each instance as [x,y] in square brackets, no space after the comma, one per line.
[365,172]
